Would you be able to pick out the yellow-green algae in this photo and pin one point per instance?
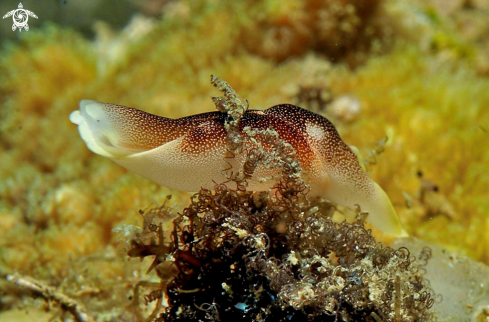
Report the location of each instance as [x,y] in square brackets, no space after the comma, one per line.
[59,202]
[435,114]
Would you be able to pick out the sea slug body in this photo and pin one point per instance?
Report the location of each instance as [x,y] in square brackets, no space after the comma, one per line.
[189,153]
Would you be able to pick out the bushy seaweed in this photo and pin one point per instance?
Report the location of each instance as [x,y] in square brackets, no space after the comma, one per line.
[244,257]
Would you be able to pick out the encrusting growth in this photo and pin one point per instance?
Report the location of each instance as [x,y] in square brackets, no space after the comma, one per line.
[190,153]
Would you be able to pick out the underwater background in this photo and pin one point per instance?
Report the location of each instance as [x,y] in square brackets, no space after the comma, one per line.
[414,72]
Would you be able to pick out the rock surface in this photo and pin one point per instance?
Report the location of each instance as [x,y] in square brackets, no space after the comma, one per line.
[462,283]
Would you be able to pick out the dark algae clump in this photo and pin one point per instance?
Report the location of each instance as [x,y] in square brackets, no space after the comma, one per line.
[240,255]
[244,258]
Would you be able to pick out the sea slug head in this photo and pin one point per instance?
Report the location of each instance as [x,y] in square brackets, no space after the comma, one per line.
[183,154]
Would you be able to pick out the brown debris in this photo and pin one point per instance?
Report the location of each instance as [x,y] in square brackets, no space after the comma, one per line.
[49,294]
